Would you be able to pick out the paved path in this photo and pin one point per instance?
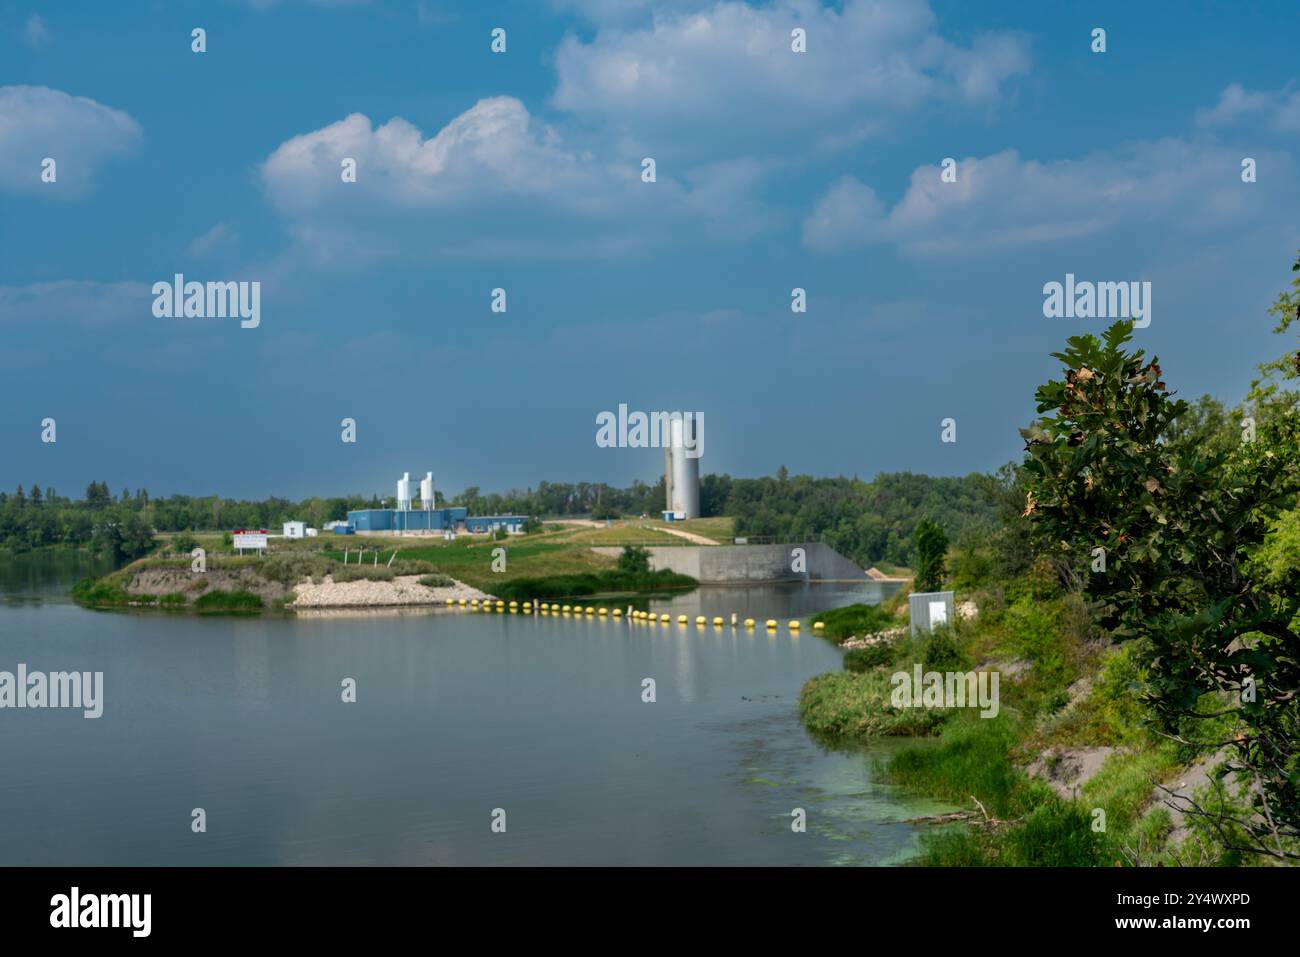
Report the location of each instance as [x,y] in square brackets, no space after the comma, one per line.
[682,533]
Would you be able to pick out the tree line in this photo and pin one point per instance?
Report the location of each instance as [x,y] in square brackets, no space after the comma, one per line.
[870,521]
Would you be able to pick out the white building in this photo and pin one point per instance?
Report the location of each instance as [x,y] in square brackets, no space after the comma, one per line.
[295,529]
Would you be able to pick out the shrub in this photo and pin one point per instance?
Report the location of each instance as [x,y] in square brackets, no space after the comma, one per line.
[931,547]
[635,560]
[939,652]
[846,705]
[592,583]
[228,601]
[100,592]
[289,568]
[855,620]
[859,660]
[183,543]
[351,573]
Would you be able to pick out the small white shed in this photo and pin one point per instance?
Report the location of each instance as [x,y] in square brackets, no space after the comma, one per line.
[295,529]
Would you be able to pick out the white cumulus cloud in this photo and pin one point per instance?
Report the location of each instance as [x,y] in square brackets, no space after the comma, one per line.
[1280,109]
[494,179]
[729,68]
[1004,200]
[78,133]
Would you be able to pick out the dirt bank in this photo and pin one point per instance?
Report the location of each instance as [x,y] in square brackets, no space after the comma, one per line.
[171,581]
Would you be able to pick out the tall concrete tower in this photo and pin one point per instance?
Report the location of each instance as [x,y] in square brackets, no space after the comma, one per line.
[681,471]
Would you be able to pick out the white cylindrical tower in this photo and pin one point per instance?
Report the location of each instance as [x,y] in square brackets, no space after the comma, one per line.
[684,472]
[404,492]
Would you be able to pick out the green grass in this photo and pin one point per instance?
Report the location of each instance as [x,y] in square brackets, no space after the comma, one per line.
[973,758]
[612,582]
[531,556]
[721,529]
[106,592]
[856,620]
[228,602]
[843,705]
[859,660]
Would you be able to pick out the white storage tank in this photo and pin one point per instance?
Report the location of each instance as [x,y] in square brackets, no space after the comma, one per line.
[682,469]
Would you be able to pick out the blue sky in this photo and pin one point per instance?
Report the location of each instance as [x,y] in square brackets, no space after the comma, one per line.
[521,170]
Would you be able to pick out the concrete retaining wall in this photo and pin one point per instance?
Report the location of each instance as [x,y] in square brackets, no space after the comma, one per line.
[719,564]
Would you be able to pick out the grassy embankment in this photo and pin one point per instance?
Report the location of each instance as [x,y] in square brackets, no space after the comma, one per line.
[1064,689]
[555,563]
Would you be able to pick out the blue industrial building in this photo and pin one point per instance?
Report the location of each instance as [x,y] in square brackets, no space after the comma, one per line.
[490,523]
[436,519]
[414,520]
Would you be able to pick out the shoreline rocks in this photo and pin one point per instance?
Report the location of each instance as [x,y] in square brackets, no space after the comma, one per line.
[403,590]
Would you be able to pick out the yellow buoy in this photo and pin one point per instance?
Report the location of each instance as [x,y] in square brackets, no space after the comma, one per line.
[749,622]
[448,601]
[602,612]
[590,610]
[513,603]
[794,625]
[701,620]
[682,619]
[817,625]
[462,601]
[771,623]
[665,618]
[618,612]
[565,609]
[718,621]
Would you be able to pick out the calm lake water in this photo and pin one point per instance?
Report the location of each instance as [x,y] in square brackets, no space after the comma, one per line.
[456,714]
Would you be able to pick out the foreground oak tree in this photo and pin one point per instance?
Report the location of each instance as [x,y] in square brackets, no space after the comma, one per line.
[1171,541]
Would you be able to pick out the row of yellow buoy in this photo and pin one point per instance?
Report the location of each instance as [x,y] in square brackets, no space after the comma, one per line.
[633,614]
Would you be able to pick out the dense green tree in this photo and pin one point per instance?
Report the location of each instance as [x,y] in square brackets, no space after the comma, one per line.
[931,551]
[1170,539]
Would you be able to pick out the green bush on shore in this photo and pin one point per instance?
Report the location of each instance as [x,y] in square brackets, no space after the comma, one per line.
[593,583]
[859,660]
[228,601]
[856,621]
[101,592]
[847,705]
